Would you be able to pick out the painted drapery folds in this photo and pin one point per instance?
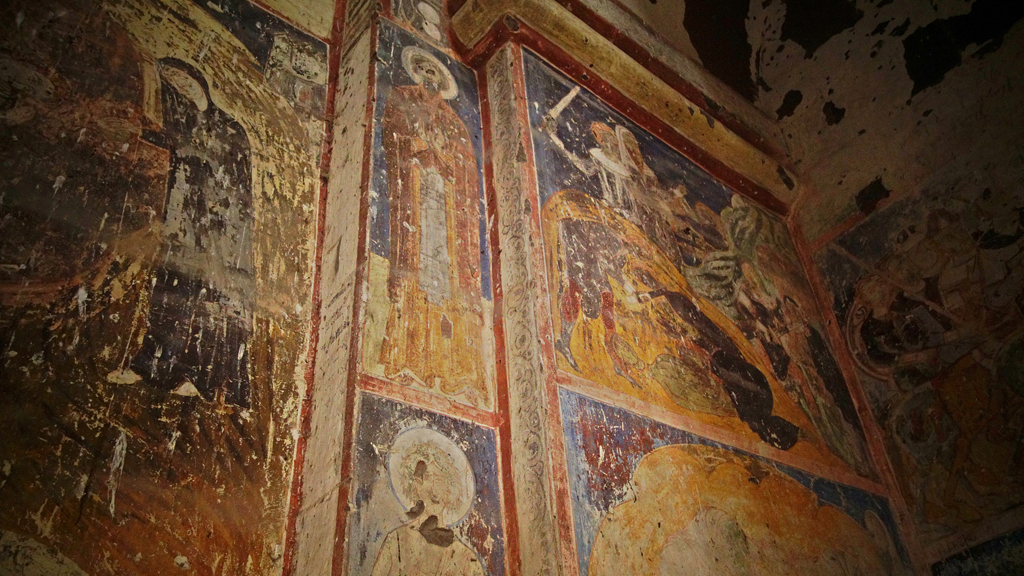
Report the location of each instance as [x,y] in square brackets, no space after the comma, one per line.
[930,293]
[651,499]
[152,321]
[428,317]
[666,287]
[426,496]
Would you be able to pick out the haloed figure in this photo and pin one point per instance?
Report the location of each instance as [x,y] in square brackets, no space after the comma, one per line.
[432,480]
[435,327]
[200,314]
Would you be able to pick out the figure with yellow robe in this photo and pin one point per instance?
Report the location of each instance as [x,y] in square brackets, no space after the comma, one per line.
[435,326]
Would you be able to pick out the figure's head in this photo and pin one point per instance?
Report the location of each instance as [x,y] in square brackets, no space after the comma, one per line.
[429,72]
[604,135]
[431,23]
[631,151]
[186,81]
[426,466]
[877,294]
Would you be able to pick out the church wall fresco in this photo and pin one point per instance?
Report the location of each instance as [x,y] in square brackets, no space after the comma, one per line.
[426,497]
[928,292]
[155,153]
[1003,555]
[667,288]
[648,498]
[427,322]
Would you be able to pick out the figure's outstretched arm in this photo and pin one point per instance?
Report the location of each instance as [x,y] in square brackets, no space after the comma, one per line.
[548,126]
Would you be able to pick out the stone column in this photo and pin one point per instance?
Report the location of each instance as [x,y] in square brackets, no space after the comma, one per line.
[518,304]
[323,475]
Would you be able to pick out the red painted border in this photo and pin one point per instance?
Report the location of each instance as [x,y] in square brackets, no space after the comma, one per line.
[340,535]
[872,432]
[561,500]
[428,401]
[642,56]
[309,377]
[513,30]
[510,508]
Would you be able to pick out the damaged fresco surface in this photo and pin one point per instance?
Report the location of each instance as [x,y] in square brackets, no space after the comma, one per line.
[426,498]
[930,292]
[651,499]
[669,288]
[427,320]
[151,321]
[1003,555]
[426,17]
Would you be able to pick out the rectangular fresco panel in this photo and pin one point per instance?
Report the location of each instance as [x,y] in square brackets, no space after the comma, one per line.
[151,318]
[425,497]
[668,287]
[929,293]
[428,317]
[649,499]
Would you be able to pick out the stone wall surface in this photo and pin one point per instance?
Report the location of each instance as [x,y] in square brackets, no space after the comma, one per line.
[154,325]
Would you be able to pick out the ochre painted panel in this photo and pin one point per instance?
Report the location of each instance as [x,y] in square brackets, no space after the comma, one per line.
[666,287]
[427,322]
[649,499]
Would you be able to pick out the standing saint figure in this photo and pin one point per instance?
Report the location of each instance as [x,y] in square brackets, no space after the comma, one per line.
[200,308]
[431,478]
[435,327]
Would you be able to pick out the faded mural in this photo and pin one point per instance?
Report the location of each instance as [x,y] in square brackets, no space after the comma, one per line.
[426,498]
[930,293]
[426,17]
[1003,555]
[141,283]
[427,320]
[667,287]
[651,499]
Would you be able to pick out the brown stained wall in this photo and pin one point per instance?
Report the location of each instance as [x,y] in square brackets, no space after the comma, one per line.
[155,154]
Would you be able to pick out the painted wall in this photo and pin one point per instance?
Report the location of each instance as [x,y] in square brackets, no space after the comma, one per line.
[705,422]
[927,293]
[668,288]
[901,119]
[154,325]
[426,493]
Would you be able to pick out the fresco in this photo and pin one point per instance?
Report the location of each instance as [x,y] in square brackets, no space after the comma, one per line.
[426,17]
[651,499]
[930,292]
[669,288]
[144,141]
[426,498]
[1003,555]
[428,317]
